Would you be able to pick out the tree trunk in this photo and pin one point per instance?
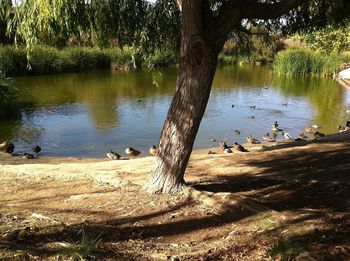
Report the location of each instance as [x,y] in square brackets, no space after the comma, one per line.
[197,68]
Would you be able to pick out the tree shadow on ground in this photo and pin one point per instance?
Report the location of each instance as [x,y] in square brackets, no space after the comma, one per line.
[315,184]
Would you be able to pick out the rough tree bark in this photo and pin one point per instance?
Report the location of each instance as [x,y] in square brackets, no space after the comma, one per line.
[203,36]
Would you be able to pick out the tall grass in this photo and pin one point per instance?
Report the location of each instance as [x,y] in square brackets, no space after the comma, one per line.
[301,62]
[48,60]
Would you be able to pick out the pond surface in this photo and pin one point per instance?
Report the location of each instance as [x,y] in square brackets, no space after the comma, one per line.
[86,114]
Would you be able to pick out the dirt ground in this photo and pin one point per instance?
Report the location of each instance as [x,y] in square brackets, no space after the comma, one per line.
[281,201]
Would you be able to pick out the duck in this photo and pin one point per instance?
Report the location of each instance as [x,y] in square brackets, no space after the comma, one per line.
[36,149]
[227,150]
[342,129]
[153,150]
[287,135]
[113,155]
[232,105]
[252,107]
[275,127]
[309,130]
[28,156]
[223,144]
[132,152]
[237,132]
[252,140]
[3,145]
[303,136]
[10,148]
[267,138]
[211,152]
[319,134]
[239,147]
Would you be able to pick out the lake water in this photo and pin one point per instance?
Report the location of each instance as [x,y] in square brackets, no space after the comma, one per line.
[85,114]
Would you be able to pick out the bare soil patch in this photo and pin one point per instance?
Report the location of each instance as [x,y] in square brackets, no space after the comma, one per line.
[282,201]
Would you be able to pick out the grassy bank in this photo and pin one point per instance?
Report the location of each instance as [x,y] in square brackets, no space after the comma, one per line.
[8,93]
[301,62]
[48,60]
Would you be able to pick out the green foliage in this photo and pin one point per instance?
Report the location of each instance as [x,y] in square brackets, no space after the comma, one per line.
[331,39]
[301,62]
[8,93]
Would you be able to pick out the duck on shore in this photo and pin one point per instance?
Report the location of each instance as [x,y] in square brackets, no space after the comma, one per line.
[287,135]
[275,127]
[10,148]
[153,150]
[267,138]
[303,136]
[132,152]
[36,149]
[319,134]
[113,155]
[252,140]
[239,147]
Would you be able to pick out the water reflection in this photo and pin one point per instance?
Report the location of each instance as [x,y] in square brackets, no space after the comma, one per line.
[86,114]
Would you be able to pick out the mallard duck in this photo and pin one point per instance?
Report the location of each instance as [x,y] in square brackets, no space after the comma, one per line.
[239,147]
[287,135]
[10,148]
[319,134]
[36,149]
[310,130]
[113,155]
[132,152]
[3,145]
[28,156]
[153,150]
[237,132]
[275,127]
[223,144]
[227,150]
[267,138]
[252,140]
[302,136]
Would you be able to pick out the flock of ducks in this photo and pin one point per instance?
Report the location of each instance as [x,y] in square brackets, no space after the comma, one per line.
[275,129]
[10,148]
[131,152]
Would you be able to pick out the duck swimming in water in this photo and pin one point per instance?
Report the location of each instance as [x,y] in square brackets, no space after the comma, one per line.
[113,155]
[132,152]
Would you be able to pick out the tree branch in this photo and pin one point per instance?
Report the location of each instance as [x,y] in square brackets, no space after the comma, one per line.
[251,9]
